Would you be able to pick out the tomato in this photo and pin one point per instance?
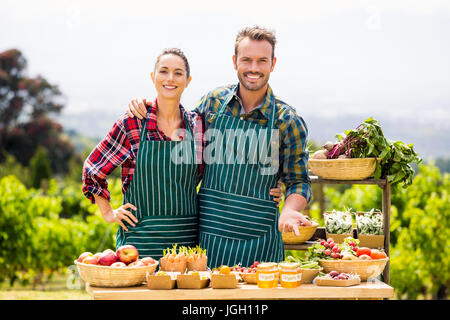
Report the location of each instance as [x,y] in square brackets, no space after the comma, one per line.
[363,250]
[377,254]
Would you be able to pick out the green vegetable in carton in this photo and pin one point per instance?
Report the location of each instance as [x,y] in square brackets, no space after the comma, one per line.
[339,222]
[370,223]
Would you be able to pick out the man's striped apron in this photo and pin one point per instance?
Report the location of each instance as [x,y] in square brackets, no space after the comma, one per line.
[164,193]
[238,218]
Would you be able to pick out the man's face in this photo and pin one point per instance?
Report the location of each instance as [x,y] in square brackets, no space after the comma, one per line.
[253,63]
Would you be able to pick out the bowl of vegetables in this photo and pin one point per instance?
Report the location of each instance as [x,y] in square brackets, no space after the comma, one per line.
[309,269]
[348,257]
[305,233]
[363,152]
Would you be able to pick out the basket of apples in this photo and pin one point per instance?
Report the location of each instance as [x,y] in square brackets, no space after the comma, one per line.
[349,258]
[122,268]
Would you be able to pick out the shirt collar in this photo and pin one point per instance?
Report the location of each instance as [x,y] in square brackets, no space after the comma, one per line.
[265,107]
[151,116]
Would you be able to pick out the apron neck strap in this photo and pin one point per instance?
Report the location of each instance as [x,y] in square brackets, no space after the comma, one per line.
[143,134]
[272,111]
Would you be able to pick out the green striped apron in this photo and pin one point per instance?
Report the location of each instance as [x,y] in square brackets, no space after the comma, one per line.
[164,193]
[238,219]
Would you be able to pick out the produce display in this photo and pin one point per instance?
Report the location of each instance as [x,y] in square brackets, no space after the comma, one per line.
[197,259]
[338,279]
[370,223]
[339,222]
[348,250]
[304,264]
[125,256]
[367,141]
[290,273]
[334,275]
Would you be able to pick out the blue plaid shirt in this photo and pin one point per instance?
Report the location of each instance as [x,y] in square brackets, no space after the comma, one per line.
[292,128]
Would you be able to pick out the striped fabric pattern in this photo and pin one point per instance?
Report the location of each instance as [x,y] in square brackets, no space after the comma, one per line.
[164,193]
[238,220]
[292,128]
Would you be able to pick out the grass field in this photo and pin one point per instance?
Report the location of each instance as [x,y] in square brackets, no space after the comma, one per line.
[56,289]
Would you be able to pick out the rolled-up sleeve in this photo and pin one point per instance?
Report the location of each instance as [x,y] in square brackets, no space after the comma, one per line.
[294,157]
[110,153]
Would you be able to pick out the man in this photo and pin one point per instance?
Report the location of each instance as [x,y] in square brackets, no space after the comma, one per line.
[237,218]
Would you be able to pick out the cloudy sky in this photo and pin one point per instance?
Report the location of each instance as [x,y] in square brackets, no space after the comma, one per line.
[334,57]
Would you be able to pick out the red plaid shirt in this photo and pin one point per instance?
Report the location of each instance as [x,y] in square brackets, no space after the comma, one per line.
[121,145]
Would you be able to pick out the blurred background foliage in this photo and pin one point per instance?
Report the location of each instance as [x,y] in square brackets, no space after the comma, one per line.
[46,222]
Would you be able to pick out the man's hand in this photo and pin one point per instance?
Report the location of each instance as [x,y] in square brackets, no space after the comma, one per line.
[138,107]
[291,218]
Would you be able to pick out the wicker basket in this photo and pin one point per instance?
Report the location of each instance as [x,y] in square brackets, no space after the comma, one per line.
[364,268]
[250,278]
[343,169]
[308,275]
[105,276]
[306,232]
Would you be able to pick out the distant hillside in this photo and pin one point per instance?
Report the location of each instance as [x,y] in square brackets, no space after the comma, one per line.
[81,142]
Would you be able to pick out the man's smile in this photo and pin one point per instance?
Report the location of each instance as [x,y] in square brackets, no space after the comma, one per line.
[253,76]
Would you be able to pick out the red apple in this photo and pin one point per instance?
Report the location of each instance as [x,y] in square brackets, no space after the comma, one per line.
[118,264]
[127,253]
[98,254]
[148,261]
[90,260]
[107,258]
[84,255]
[137,263]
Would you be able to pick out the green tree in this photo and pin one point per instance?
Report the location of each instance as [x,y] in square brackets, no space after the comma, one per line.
[40,168]
[25,103]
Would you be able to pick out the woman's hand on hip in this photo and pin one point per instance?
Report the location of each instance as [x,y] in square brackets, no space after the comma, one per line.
[121,213]
[138,107]
[277,193]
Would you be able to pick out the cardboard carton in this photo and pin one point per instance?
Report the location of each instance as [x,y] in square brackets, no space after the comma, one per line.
[192,281]
[162,282]
[223,281]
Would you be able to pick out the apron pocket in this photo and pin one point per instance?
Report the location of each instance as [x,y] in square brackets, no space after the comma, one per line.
[154,234]
[235,216]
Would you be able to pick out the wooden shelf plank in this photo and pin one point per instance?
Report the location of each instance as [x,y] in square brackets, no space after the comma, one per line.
[303,246]
[380,182]
[365,290]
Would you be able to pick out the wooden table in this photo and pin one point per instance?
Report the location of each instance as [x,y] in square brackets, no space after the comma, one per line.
[365,290]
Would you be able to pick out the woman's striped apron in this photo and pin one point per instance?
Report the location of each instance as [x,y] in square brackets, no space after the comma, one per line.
[238,218]
[164,193]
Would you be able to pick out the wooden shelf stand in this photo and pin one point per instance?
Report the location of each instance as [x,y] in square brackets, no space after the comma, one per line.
[386,210]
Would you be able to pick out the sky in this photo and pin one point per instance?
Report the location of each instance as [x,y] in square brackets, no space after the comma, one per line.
[365,58]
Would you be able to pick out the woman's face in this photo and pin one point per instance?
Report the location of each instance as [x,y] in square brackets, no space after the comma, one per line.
[169,77]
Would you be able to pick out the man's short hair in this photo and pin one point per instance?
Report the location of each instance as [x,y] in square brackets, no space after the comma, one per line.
[256,33]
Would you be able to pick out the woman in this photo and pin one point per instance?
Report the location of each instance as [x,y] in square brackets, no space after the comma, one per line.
[160,191]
